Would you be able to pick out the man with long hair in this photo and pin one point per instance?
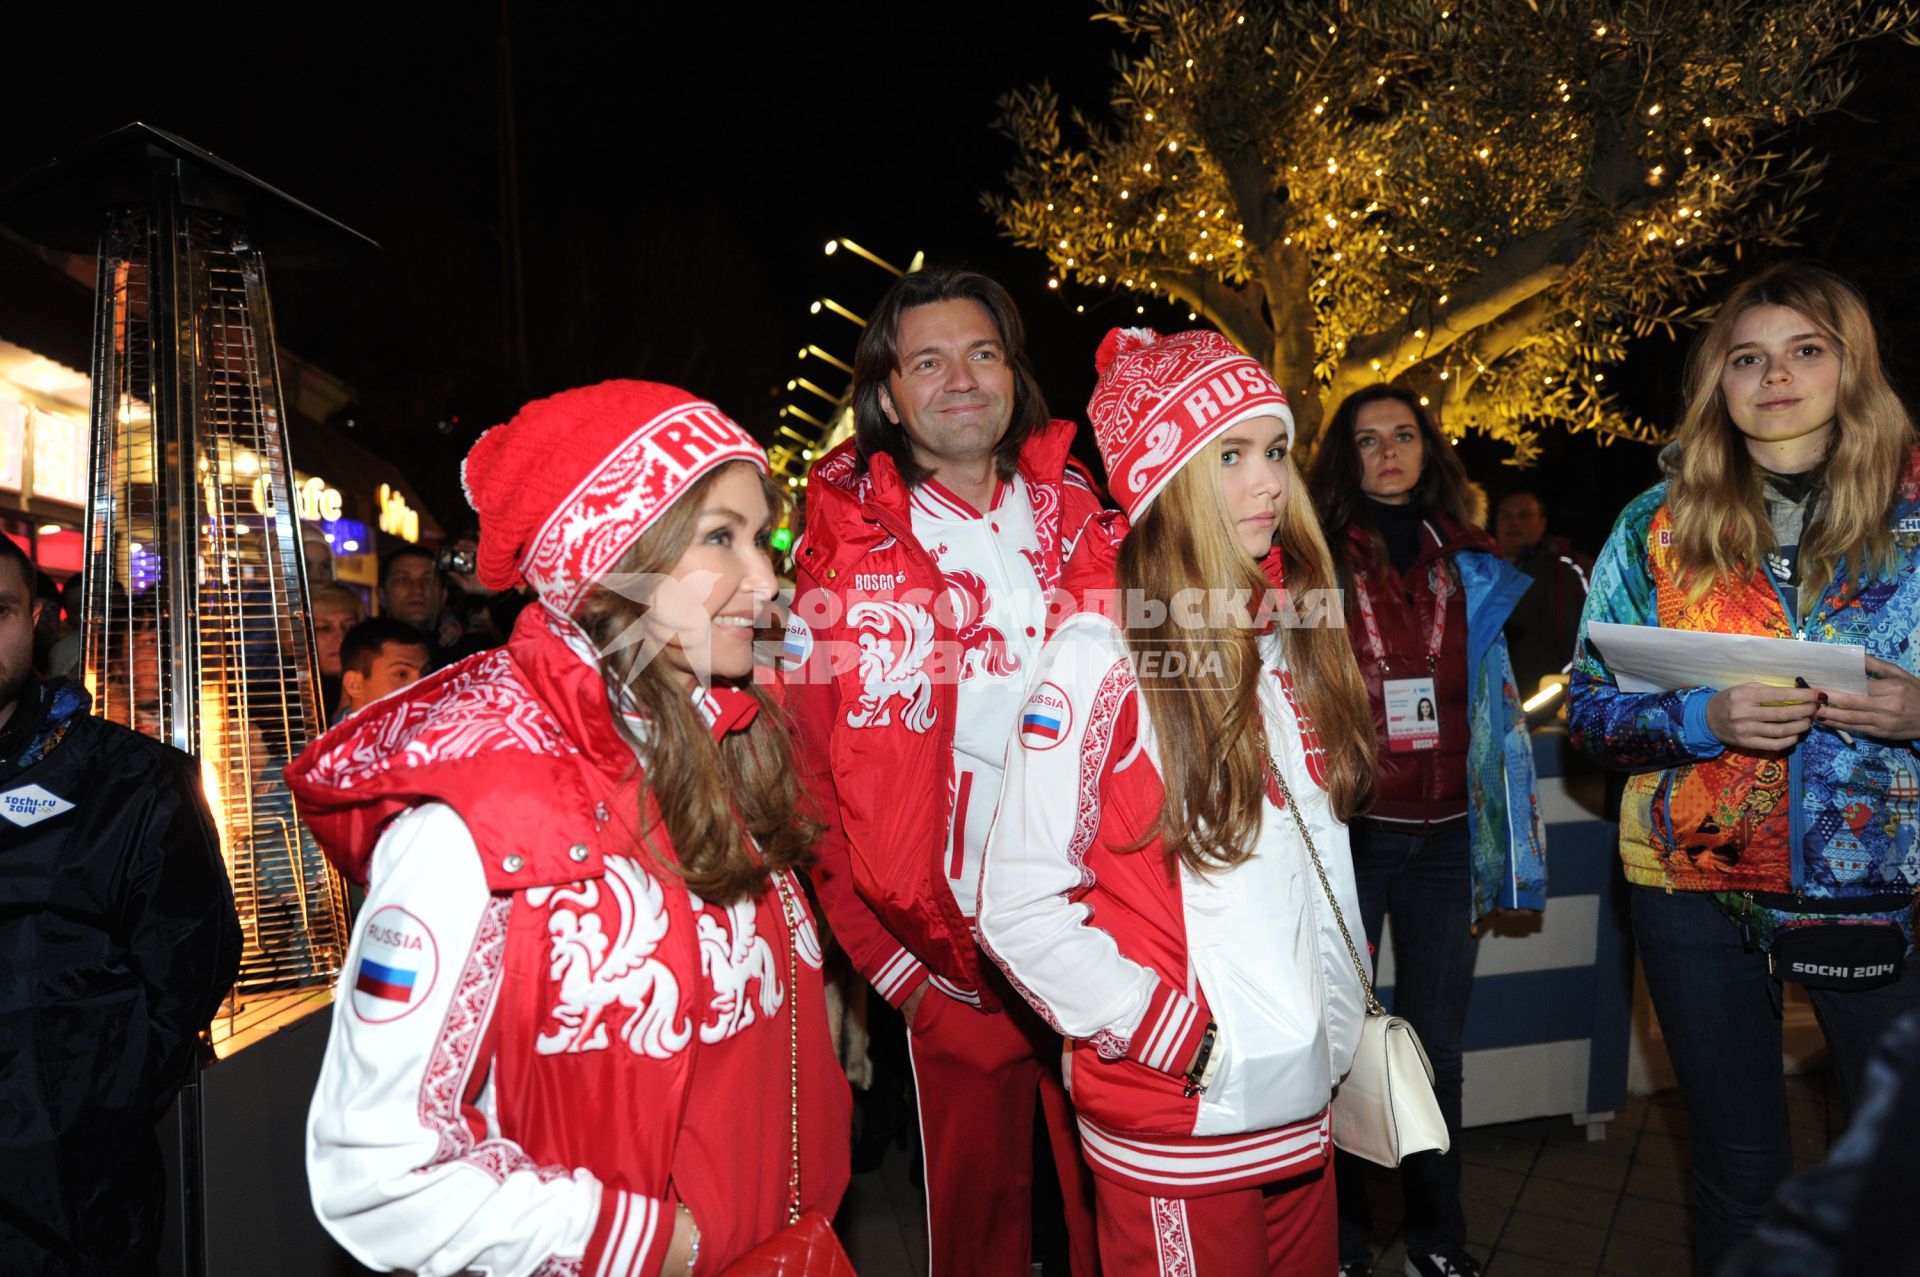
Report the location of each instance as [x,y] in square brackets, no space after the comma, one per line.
[933,539]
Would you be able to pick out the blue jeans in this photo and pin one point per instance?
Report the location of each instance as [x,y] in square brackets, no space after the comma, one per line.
[1720,1014]
[1425,881]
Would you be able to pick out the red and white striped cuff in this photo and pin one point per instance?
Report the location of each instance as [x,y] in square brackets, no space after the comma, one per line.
[958,992]
[899,977]
[1169,1032]
[630,1237]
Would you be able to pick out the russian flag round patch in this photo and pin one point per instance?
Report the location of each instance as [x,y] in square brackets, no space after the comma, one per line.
[796,645]
[1046,718]
[398,963]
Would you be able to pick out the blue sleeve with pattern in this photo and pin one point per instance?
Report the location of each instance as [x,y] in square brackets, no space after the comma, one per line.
[1629,729]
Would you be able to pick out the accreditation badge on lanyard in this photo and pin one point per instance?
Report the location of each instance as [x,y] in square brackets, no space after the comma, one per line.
[1412,706]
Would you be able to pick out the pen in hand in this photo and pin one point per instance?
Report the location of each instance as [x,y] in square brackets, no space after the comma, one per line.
[1845,737]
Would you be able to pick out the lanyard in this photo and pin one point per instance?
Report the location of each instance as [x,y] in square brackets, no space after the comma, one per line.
[1440,581]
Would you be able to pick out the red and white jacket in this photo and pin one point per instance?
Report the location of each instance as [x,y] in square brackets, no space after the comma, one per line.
[542,1042]
[1129,959]
[877,646]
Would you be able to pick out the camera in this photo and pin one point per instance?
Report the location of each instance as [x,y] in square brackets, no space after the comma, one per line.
[459,560]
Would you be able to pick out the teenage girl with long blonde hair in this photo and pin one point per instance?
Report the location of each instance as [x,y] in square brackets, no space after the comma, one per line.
[1151,881]
[1769,832]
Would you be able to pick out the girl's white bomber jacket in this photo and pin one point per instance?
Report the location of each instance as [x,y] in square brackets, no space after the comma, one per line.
[1129,959]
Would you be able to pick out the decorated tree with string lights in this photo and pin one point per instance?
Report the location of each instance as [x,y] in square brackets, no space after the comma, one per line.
[1480,199]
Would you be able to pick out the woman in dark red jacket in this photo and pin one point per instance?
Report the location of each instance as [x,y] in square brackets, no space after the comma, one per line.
[1453,832]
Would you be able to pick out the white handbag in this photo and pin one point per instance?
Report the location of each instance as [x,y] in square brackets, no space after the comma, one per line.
[1384,1110]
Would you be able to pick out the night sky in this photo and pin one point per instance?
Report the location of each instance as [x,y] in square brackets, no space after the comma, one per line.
[679,176]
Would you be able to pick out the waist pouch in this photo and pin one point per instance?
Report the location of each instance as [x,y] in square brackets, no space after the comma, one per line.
[1827,953]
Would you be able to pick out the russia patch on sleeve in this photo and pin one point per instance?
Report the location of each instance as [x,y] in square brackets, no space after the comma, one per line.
[1046,718]
[399,961]
[798,644]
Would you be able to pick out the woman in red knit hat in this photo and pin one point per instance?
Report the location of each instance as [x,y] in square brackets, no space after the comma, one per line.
[1171,841]
[580,1027]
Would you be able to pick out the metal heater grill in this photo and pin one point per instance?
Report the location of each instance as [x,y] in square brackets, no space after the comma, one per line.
[198,629]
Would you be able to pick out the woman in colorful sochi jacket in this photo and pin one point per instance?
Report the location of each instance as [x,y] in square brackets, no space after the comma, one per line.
[580,1028]
[1764,822]
[1454,829]
[1145,886]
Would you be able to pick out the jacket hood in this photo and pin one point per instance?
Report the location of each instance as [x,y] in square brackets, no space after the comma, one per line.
[507,738]
[1089,570]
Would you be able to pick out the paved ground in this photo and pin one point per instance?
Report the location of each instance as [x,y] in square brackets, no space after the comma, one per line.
[1541,1200]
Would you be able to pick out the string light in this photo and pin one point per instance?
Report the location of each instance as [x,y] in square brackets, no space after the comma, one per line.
[1358,301]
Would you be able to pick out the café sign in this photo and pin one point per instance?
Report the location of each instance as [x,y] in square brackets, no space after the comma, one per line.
[396,516]
[317,500]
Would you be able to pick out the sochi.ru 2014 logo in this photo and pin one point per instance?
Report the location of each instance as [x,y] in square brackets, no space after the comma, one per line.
[30,804]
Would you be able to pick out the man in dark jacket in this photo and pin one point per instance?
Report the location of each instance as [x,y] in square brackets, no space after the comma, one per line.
[1546,621]
[118,939]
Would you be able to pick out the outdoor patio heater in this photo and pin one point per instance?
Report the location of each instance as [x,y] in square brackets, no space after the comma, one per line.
[196,616]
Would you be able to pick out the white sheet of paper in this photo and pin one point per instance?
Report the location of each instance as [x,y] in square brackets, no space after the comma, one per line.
[1646,658]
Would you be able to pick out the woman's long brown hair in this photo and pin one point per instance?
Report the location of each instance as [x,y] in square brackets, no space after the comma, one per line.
[715,800]
[1720,522]
[1211,761]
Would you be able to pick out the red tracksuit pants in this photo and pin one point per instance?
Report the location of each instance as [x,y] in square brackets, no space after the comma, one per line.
[976,1077]
[1289,1228]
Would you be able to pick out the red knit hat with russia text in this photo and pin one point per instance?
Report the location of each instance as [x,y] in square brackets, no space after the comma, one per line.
[566,487]
[1162,398]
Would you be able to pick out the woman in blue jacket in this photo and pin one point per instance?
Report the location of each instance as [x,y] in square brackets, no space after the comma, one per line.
[1454,831]
[1769,832]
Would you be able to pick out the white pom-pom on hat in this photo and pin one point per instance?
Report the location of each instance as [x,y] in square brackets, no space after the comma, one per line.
[1121,341]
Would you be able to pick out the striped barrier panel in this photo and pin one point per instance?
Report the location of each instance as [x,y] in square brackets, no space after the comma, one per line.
[1548,1028]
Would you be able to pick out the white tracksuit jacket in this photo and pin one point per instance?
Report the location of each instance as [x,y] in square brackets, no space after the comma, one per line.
[1129,959]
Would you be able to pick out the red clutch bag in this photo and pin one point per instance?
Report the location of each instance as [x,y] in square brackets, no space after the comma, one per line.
[806,1248]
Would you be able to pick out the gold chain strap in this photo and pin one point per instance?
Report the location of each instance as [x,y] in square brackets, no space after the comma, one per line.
[1359,968]
[793,1043]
